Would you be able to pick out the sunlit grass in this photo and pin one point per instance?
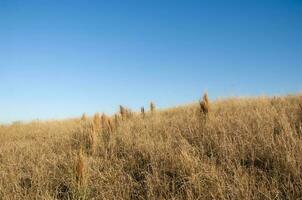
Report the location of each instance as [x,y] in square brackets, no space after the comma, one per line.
[248,149]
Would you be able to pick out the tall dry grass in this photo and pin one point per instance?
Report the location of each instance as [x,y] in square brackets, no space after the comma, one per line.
[80,168]
[143,111]
[248,149]
[152,107]
[97,122]
[205,104]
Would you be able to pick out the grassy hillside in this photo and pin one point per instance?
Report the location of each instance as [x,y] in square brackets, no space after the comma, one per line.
[236,149]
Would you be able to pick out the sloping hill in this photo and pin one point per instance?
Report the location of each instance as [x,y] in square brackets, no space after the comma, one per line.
[240,149]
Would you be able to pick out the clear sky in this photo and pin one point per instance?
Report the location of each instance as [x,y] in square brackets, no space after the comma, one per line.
[61,58]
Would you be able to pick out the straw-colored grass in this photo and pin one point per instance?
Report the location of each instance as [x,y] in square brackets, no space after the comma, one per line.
[125,113]
[84,117]
[205,104]
[80,168]
[248,148]
[97,122]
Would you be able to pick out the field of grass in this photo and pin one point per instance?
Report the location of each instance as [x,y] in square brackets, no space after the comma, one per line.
[240,148]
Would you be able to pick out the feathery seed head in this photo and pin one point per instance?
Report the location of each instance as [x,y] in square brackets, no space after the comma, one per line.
[79,168]
[205,104]
[152,107]
[143,111]
[97,121]
[84,117]
[122,111]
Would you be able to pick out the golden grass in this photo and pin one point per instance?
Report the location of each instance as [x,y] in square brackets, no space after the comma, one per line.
[84,117]
[122,111]
[249,149]
[205,104]
[125,113]
[80,168]
[97,122]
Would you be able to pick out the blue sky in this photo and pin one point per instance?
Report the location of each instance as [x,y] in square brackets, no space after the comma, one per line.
[61,58]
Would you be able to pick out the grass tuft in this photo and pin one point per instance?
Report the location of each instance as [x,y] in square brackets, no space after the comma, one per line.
[152,107]
[80,168]
[143,112]
[205,104]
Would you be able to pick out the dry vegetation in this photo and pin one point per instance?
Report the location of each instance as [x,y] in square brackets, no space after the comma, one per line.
[228,149]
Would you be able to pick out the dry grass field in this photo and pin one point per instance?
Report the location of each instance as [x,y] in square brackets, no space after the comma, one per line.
[239,148]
